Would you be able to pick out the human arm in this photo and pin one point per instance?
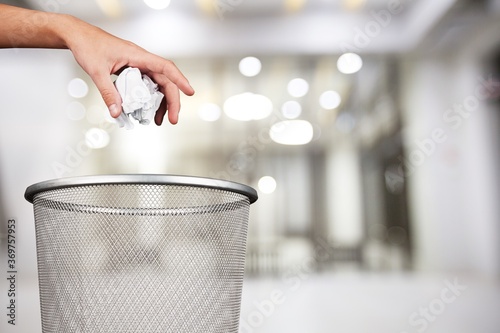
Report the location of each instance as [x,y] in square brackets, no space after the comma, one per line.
[97,52]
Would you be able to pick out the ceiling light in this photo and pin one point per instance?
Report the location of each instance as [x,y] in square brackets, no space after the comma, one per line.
[267,184]
[206,6]
[111,8]
[248,106]
[209,112]
[157,4]
[294,5]
[298,87]
[349,63]
[330,100]
[250,66]
[77,88]
[292,132]
[291,109]
[354,4]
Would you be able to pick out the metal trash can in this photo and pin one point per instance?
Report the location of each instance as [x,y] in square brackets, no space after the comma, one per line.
[140,253]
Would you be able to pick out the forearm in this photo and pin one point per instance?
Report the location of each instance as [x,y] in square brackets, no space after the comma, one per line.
[24,28]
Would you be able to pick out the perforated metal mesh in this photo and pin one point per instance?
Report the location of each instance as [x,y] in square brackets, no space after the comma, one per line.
[140,258]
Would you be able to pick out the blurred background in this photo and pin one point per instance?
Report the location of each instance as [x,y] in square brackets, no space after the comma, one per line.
[371,129]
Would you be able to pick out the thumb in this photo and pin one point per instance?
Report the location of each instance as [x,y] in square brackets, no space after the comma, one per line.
[109,94]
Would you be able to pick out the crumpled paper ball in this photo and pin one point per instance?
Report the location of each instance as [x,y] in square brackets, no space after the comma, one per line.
[140,97]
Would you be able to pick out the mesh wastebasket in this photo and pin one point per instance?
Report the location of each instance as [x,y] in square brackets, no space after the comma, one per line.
[140,253]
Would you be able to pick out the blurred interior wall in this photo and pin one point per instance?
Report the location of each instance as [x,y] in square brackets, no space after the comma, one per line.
[35,134]
[452,137]
[344,201]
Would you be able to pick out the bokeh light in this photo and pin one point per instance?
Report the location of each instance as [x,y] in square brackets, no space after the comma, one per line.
[292,132]
[250,66]
[291,109]
[248,106]
[209,112]
[349,63]
[267,184]
[330,100]
[157,4]
[77,88]
[96,138]
[298,87]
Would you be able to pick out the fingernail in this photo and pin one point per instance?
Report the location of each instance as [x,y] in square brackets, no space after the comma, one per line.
[113,110]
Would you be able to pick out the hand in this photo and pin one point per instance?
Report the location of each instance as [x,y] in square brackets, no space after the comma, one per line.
[101,54]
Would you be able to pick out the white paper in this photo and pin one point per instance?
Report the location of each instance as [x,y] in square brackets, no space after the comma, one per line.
[140,98]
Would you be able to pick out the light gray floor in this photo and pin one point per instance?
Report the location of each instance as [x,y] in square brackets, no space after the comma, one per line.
[341,302]
[358,303]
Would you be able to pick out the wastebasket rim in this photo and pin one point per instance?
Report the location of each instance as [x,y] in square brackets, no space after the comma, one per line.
[152,179]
